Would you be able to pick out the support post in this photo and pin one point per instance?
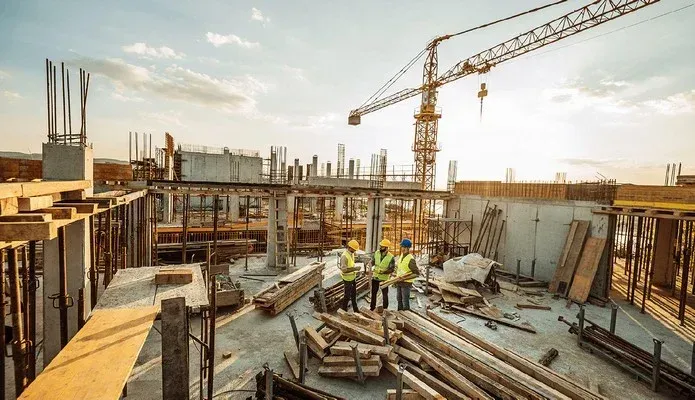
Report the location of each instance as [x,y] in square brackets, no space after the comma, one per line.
[518,271]
[580,332]
[358,363]
[268,383]
[215,219]
[175,349]
[2,331]
[63,287]
[302,358]
[614,315]
[385,326]
[18,340]
[293,323]
[656,371]
[399,382]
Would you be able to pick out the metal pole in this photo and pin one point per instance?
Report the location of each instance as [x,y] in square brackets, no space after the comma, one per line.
[63,288]
[580,332]
[518,270]
[614,315]
[295,333]
[302,358]
[533,268]
[18,344]
[246,234]
[399,382]
[385,325]
[268,383]
[31,328]
[215,217]
[656,371]
[358,363]
[2,313]
[211,339]
[692,360]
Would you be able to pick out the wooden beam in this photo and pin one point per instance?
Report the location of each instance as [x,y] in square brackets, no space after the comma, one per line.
[9,206]
[34,203]
[416,384]
[8,190]
[82,208]
[59,212]
[407,394]
[347,361]
[27,218]
[30,189]
[15,231]
[523,326]
[173,276]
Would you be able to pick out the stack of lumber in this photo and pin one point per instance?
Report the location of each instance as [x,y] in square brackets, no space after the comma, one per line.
[290,288]
[524,281]
[286,389]
[463,366]
[453,294]
[334,294]
[578,263]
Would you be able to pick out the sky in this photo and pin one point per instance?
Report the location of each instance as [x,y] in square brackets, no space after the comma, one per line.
[616,100]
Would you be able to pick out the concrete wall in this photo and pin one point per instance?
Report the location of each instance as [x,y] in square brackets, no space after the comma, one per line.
[220,167]
[534,229]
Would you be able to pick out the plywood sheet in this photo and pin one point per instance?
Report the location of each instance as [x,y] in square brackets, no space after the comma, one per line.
[96,363]
[586,270]
[567,264]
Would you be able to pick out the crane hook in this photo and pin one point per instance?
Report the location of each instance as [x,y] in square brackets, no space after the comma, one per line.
[482,94]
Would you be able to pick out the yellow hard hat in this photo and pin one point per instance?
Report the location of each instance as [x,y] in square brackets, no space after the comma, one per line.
[385,243]
[353,244]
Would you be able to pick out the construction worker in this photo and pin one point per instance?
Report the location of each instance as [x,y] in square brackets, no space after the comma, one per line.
[383,264]
[349,273]
[406,265]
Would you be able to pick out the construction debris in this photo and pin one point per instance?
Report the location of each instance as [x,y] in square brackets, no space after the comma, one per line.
[270,385]
[548,357]
[290,288]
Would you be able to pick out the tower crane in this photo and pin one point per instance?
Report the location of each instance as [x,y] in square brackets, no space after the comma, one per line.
[428,114]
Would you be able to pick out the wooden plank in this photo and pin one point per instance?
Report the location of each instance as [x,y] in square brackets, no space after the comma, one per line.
[347,351]
[523,326]
[586,270]
[103,351]
[34,203]
[423,389]
[300,272]
[175,363]
[177,276]
[533,369]
[82,208]
[28,217]
[316,338]
[348,372]
[60,212]
[14,231]
[292,359]
[532,306]
[567,264]
[381,351]
[30,189]
[409,354]
[9,206]
[348,361]
[406,394]
[10,189]
[353,331]
[441,387]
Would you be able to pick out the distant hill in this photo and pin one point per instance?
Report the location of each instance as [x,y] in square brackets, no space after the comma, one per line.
[37,156]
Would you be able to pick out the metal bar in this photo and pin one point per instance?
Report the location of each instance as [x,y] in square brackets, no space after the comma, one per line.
[518,271]
[657,364]
[246,234]
[184,241]
[385,326]
[358,363]
[67,75]
[580,332]
[93,273]
[647,264]
[268,383]
[211,337]
[18,340]
[635,267]
[295,332]
[48,117]
[614,315]
[302,358]
[108,250]
[2,331]
[80,308]
[215,218]
[684,284]
[62,81]
[399,381]
[31,327]
[63,287]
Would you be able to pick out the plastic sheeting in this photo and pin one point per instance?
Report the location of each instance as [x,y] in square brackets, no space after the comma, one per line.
[471,267]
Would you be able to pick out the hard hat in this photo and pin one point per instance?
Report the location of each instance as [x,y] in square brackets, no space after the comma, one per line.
[406,243]
[353,244]
[385,243]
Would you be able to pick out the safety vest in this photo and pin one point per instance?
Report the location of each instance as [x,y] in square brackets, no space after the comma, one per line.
[404,268]
[380,266]
[350,276]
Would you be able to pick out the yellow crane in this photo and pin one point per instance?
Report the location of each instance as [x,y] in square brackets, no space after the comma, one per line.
[428,114]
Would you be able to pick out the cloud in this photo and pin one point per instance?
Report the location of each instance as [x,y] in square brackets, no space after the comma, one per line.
[218,40]
[4,75]
[145,51]
[296,73]
[118,95]
[679,103]
[321,121]
[619,163]
[166,118]
[178,83]
[257,15]
[11,95]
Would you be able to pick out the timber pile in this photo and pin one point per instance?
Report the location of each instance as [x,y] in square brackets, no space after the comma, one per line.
[334,294]
[489,234]
[450,294]
[290,288]
[286,389]
[461,365]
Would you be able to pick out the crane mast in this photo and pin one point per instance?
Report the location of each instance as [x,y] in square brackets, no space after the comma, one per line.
[427,116]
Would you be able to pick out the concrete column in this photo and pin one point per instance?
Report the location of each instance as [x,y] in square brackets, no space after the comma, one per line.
[234,207]
[167,198]
[290,205]
[61,162]
[351,168]
[315,165]
[339,204]
[663,257]
[295,177]
[376,211]
[273,225]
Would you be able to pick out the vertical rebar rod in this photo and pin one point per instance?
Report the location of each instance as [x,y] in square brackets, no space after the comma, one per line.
[93,273]
[63,287]
[62,81]
[48,107]
[246,234]
[215,217]
[18,339]
[31,327]
[656,369]
[67,76]
[635,268]
[184,240]
[628,260]
[614,317]
[211,337]
[302,358]
[55,104]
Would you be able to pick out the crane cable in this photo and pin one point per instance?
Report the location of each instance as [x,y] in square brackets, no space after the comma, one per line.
[410,63]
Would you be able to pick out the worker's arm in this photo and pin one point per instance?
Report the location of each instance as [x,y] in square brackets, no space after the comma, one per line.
[413,267]
[344,265]
[391,267]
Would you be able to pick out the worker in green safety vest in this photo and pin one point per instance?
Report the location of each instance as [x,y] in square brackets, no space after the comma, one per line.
[383,264]
[348,272]
[406,265]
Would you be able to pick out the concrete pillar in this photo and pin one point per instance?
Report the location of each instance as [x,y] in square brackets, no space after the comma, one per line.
[663,254]
[295,178]
[61,162]
[339,204]
[315,165]
[328,169]
[273,224]
[167,198]
[376,211]
[351,168]
[234,207]
[290,205]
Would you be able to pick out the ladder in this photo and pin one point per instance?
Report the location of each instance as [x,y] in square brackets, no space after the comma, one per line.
[281,258]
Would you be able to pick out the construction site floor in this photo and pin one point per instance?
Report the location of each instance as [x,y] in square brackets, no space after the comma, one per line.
[255,338]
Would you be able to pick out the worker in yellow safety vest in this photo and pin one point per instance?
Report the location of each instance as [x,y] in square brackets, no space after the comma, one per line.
[383,264]
[406,265]
[349,273]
